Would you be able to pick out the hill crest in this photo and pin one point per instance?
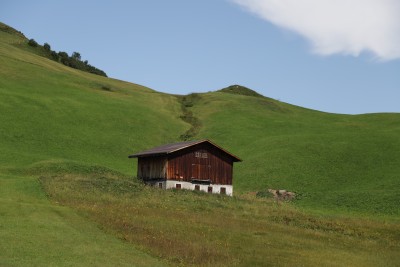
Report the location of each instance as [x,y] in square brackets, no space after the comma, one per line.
[11,30]
[240,90]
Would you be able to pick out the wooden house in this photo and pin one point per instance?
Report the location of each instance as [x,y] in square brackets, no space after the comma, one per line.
[194,165]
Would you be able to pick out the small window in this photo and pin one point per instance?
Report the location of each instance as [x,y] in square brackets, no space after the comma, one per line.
[223,191]
[197,187]
[178,186]
[160,185]
[209,190]
[200,155]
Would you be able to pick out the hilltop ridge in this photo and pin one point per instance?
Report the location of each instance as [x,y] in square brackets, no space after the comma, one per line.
[11,30]
[240,90]
[73,61]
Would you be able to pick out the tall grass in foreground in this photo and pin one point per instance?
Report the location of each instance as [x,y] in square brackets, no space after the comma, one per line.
[189,228]
[35,232]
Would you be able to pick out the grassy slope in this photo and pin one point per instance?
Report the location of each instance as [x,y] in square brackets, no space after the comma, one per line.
[189,228]
[57,121]
[51,113]
[350,163]
[35,232]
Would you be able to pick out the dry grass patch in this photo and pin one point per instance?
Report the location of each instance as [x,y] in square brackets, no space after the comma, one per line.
[190,228]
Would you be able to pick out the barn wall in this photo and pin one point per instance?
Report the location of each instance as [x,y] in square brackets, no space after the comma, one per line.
[202,162]
[152,168]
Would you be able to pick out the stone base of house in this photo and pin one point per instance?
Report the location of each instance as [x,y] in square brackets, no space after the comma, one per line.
[209,188]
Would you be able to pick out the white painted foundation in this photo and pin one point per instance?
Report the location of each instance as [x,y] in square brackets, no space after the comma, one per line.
[170,184]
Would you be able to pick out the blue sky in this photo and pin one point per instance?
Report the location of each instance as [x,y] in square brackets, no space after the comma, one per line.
[184,46]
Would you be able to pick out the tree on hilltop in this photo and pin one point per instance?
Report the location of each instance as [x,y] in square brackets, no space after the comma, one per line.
[76,55]
[32,43]
[47,47]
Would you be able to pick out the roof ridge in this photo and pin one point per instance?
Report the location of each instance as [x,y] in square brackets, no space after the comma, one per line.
[174,147]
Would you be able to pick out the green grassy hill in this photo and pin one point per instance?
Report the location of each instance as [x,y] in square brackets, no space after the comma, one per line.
[335,162]
[51,114]
[64,140]
[49,111]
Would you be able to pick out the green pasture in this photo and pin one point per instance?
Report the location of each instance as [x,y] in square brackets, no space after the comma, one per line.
[339,163]
[36,232]
[190,228]
[68,196]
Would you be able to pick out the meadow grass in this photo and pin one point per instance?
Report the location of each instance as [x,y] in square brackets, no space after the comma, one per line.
[50,114]
[35,232]
[191,228]
[73,131]
[340,163]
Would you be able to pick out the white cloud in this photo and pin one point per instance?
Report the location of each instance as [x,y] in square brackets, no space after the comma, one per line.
[337,26]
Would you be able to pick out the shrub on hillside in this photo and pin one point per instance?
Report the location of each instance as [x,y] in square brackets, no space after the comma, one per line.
[76,55]
[75,62]
[54,56]
[46,47]
[32,43]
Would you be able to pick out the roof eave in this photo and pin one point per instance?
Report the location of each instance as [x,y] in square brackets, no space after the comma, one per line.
[146,155]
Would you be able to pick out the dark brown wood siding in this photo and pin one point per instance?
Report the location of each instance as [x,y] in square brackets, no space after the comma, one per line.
[200,162]
[152,168]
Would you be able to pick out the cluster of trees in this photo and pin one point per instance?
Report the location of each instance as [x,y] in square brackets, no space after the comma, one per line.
[73,61]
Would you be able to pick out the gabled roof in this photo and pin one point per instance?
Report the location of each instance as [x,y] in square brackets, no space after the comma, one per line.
[171,148]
